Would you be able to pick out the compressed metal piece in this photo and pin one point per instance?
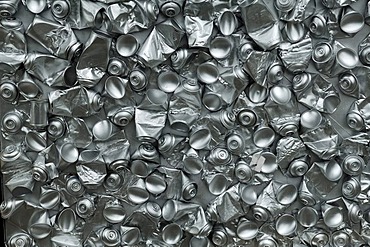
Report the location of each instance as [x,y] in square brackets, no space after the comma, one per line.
[185,123]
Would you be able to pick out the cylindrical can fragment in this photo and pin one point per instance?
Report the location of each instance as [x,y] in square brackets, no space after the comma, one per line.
[85,208]
[146,151]
[220,48]
[235,143]
[168,81]
[318,25]
[332,215]
[138,79]
[117,67]
[348,84]
[346,59]
[351,21]
[219,236]
[172,233]
[192,162]
[267,242]
[35,7]
[12,122]
[200,137]
[137,192]
[39,113]
[323,56]
[8,8]
[39,225]
[227,22]
[115,87]
[67,220]
[9,91]
[286,193]
[248,194]
[246,229]
[57,127]
[364,55]
[74,186]
[351,188]
[114,212]
[130,235]
[113,182]
[243,172]
[111,237]
[170,8]
[299,167]
[353,165]
[126,45]
[219,156]
[60,8]
[9,207]
[142,168]
[286,225]
[275,73]
[28,88]
[306,196]
[20,240]
[36,141]
[340,239]
[123,117]
[284,5]
[189,188]
[264,136]
[208,73]
[217,183]
[155,183]
[307,216]
[49,198]
[41,29]
[247,118]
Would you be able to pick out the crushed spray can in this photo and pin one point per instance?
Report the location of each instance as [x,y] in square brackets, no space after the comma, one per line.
[57,39]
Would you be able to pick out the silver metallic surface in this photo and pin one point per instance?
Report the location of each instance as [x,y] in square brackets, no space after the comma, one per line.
[185,123]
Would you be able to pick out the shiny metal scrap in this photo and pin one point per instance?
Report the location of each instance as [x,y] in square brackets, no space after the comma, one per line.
[197,123]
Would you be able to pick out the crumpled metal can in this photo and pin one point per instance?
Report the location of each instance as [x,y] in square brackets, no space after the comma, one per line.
[13,47]
[57,39]
[156,49]
[289,53]
[75,102]
[259,66]
[78,14]
[89,70]
[8,8]
[263,29]
[185,106]
[282,110]
[144,14]
[216,210]
[51,70]
[315,91]
[357,116]
[154,106]
[190,216]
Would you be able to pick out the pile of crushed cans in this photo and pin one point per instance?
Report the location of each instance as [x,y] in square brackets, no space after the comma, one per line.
[185,123]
